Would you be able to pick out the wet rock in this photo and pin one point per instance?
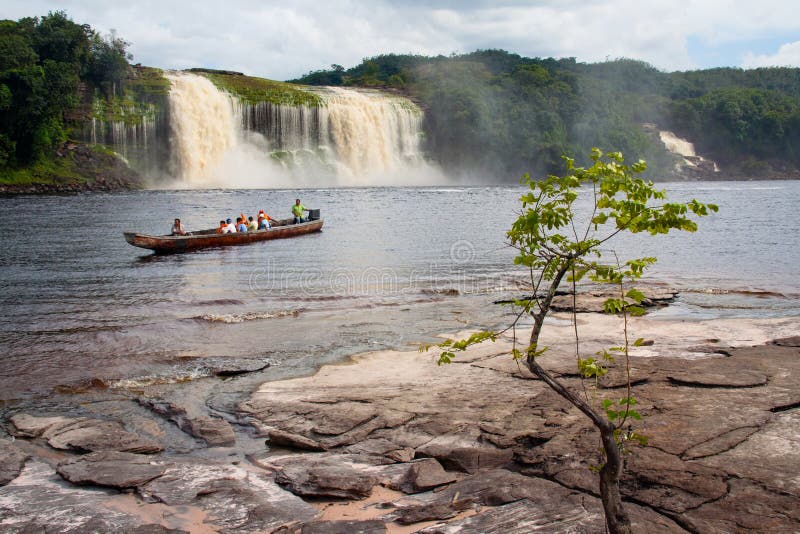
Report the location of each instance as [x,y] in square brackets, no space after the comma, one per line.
[30,426]
[236,499]
[235,366]
[593,301]
[424,475]
[113,469]
[157,529]
[455,453]
[294,441]
[523,517]
[12,459]
[39,501]
[486,488]
[373,526]
[793,341]
[429,512]
[83,434]
[214,431]
[328,476]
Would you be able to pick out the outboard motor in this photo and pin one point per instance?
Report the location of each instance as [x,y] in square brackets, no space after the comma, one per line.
[313,215]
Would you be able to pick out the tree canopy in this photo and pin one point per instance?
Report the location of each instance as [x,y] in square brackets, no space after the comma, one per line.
[492,110]
[43,63]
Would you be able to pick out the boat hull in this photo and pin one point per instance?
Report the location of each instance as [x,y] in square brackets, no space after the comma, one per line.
[166,244]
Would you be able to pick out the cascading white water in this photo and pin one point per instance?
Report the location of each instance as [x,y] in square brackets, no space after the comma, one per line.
[373,133]
[203,127]
[354,138]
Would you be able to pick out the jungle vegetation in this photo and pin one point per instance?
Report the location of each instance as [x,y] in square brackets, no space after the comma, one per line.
[497,111]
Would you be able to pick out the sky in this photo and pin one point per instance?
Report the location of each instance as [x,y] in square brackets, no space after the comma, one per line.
[286,39]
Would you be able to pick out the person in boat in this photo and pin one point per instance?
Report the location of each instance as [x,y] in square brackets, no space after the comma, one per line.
[177,228]
[263,221]
[241,225]
[252,225]
[222,227]
[262,213]
[230,227]
[297,211]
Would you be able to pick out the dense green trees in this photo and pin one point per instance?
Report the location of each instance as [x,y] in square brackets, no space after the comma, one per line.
[43,62]
[496,113]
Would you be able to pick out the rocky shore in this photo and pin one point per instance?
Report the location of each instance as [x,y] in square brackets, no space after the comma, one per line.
[391,442]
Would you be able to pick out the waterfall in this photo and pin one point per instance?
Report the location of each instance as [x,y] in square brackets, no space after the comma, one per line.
[202,127]
[131,130]
[355,137]
[373,133]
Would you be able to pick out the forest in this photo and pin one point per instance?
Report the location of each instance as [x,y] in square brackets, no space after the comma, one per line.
[46,64]
[493,110]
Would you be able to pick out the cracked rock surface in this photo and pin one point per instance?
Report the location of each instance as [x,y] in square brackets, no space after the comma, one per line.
[392,442]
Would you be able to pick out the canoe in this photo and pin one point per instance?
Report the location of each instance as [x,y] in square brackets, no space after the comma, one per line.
[210,238]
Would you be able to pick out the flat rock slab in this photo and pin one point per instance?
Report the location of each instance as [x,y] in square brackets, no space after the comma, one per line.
[236,499]
[424,475]
[39,501]
[326,477]
[466,456]
[592,301]
[373,526]
[82,434]
[710,379]
[705,418]
[523,517]
[214,431]
[793,341]
[12,459]
[113,469]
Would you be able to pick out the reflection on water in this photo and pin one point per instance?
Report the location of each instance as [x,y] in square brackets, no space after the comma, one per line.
[392,266]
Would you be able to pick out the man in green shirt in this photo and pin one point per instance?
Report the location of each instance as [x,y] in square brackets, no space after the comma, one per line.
[297,211]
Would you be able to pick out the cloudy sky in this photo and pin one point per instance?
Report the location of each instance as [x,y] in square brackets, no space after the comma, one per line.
[285,39]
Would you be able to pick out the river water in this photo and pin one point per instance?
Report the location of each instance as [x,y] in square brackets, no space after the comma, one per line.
[392,267]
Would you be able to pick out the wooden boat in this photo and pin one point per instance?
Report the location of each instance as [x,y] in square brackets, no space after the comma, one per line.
[163,244]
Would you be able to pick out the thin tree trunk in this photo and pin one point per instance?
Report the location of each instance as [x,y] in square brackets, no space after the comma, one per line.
[617,520]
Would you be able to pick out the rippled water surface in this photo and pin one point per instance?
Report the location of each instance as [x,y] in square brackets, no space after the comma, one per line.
[393,266]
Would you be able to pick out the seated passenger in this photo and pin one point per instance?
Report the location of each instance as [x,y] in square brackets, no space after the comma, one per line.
[230,227]
[177,228]
[241,226]
[263,222]
[222,226]
[252,226]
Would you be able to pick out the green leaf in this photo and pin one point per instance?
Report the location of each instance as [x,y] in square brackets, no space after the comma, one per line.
[635,295]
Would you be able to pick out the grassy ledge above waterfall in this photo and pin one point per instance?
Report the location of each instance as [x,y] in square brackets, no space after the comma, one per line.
[253,90]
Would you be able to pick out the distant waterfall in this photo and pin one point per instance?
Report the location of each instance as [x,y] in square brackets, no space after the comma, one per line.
[356,137]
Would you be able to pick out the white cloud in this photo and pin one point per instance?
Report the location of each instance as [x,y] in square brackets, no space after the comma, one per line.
[288,38]
[788,55]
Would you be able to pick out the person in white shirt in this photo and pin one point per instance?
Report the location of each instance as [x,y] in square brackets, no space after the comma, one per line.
[231,228]
[177,228]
